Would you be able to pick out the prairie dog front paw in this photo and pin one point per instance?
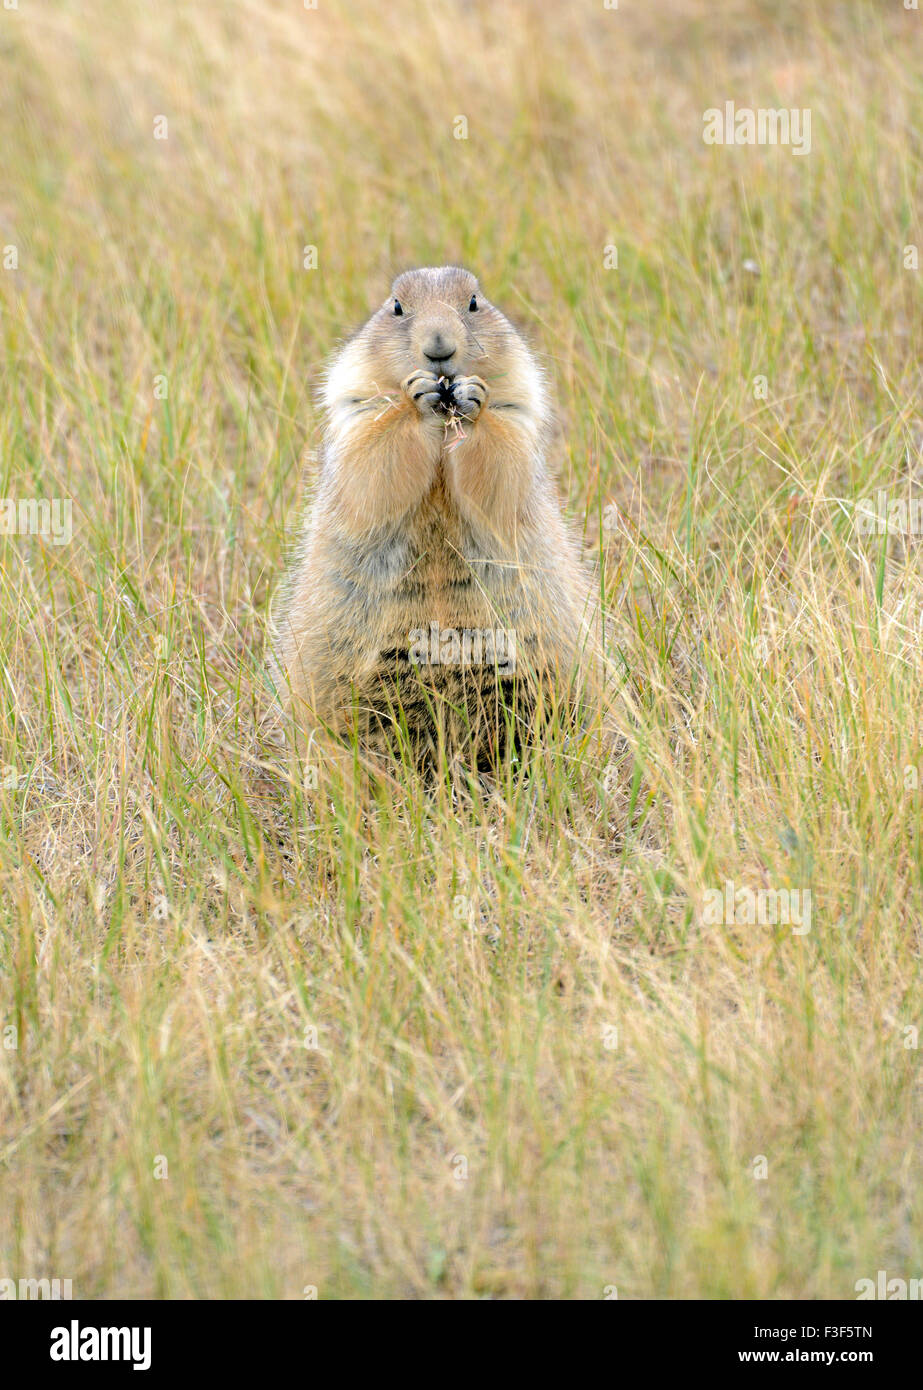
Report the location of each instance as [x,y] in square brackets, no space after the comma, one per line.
[423,389]
[468,395]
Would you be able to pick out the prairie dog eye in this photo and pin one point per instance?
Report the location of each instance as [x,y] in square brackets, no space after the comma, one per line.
[397,308]
[473,306]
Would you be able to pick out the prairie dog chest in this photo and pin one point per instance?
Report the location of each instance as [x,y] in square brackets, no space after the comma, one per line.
[437,582]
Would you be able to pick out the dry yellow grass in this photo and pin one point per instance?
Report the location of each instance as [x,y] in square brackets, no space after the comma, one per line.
[539,1069]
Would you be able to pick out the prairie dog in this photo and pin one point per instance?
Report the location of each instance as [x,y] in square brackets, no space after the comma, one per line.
[436,589]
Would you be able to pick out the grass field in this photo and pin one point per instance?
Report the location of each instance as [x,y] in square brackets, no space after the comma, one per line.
[251,1046]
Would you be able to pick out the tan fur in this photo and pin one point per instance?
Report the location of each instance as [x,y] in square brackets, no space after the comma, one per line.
[428,510]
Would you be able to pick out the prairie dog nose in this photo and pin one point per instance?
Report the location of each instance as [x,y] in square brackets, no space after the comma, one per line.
[438,346]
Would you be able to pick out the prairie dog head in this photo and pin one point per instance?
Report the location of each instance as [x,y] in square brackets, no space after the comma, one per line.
[438,320]
[435,319]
